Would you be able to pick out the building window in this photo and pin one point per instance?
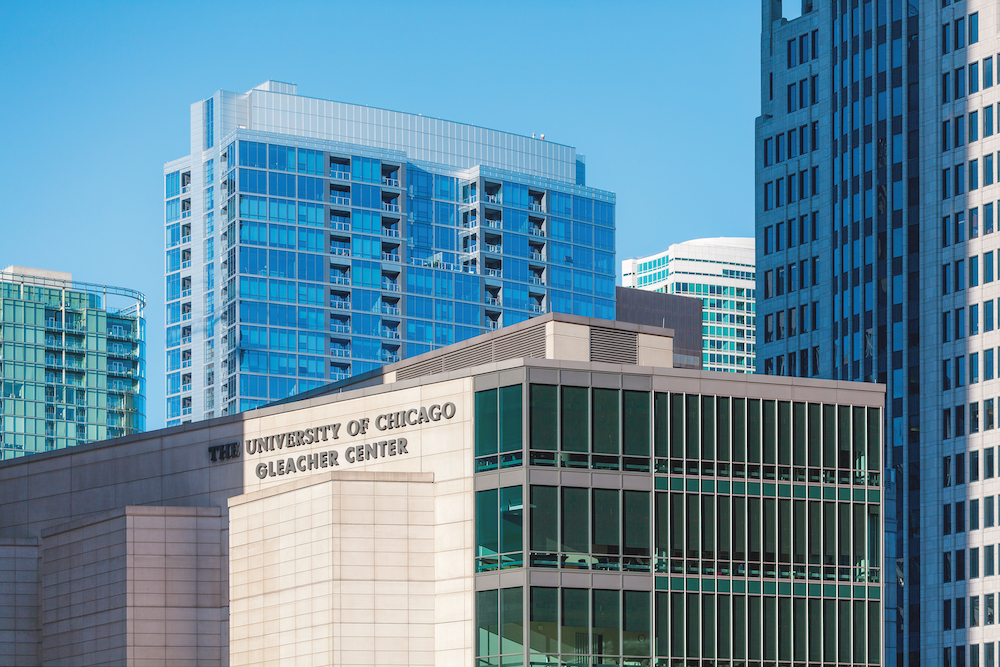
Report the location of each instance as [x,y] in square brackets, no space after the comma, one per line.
[498,428]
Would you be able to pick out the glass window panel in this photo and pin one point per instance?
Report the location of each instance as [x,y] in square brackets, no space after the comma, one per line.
[636,423]
[487,623]
[544,518]
[575,419]
[753,431]
[693,625]
[708,527]
[636,517]
[607,624]
[606,419]
[739,430]
[708,631]
[660,424]
[799,434]
[636,623]
[739,627]
[662,623]
[829,436]
[677,624]
[724,626]
[677,425]
[723,429]
[543,417]
[815,437]
[661,530]
[815,630]
[486,422]
[677,525]
[510,418]
[575,516]
[784,433]
[544,622]
[487,523]
[693,423]
[724,524]
[800,624]
[511,519]
[693,526]
[512,620]
[708,428]
[770,442]
[607,522]
[575,628]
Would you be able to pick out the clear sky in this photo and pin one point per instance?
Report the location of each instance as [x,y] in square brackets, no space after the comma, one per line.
[659,96]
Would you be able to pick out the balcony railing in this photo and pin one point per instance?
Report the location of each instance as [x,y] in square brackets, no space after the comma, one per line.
[472,199]
[492,199]
[535,207]
[340,304]
[536,308]
[339,375]
[492,324]
[340,250]
[390,257]
[340,226]
[342,175]
[389,231]
[340,352]
[389,333]
[391,182]
[493,272]
[537,256]
[386,309]
[339,279]
[495,248]
[390,286]
[340,201]
[186,239]
[340,328]
[495,223]
[537,231]
[471,248]
[493,301]
[392,208]
[389,357]
[535,280]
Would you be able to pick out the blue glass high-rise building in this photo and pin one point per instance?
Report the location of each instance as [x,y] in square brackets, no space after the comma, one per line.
[308,240]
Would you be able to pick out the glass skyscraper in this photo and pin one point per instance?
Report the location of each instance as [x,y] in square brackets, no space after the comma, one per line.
[309,240]
[875,228]
[720,272]
[72,361]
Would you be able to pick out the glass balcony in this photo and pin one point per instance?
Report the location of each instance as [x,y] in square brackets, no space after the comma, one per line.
[386,332]
[390,257]
[340,279]
[340,351]
[495,248]
[493,301]
[495,273]
[339,174]
[537,231]
[343,251]
[537,256]
[386,309]
[340,304]
[390,286]
[392,208]
[389,231]
[535,207]
[492,324]
[340,225]
[391,182]
[340,201]
[492,199]
[535,280]
[340,328]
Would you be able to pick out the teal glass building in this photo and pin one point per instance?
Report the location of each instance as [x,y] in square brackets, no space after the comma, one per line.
[307,241]
[72,362]
[705,524]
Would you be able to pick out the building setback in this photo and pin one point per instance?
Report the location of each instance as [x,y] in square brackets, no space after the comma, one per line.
[309,240]
[719,272]
[552,493]
[876,194]
[72,361]
[658,309]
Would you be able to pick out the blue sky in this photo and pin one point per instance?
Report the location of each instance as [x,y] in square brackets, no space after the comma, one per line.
[660,96]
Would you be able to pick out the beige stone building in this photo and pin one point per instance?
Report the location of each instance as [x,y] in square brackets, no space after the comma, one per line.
[552,492]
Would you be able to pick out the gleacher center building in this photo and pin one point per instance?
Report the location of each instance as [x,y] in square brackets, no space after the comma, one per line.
[553,493]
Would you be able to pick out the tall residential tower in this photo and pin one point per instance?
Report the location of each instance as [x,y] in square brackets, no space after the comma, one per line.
[720,272]
[875,176]
[310,240]
[72,361]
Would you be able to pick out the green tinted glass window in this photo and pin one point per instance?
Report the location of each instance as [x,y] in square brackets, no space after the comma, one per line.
[739,430]
[636,623]
[510,418]
[874,438]
[607,624]
[635,425]
[511,620]
[575,419]
[486,422]
[799,434]
[544,618]
[815,436]
[724,428]
[544,417]
[693,424]
[575,520]
[487,523]
[708,428]
[662,616]
[661,409]
[770,432]
[784,433]
[488,622]
[606,523]
[753,431]
[575,622]
[606,421]
[677,425]
[636,518]
[544,518]
[511,521]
